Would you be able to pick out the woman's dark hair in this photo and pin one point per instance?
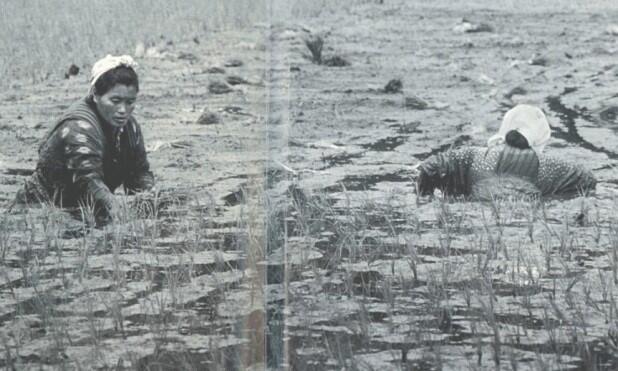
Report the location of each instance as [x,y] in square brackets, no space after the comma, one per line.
[120,75]
[515,139]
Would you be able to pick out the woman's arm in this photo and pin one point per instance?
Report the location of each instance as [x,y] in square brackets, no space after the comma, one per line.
[83,150]
[449,172]
[140,178]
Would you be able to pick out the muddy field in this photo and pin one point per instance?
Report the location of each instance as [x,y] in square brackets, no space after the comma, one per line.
[288,232]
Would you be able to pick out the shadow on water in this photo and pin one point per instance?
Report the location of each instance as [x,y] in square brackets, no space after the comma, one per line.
[312,349]
[567,117]
[408,128]
[385,144]
[19,171]
[339,159]
[365,182]
[459,141]
[337,349]
[591,355]
[225,358]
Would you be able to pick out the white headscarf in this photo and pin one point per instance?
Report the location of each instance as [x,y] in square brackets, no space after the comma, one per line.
[529,121]
[109,63]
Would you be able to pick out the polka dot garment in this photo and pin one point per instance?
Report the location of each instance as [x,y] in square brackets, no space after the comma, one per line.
[82,158]
[502,170]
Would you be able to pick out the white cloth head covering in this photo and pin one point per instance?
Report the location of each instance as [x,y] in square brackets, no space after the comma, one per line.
[529,121]
[109,63]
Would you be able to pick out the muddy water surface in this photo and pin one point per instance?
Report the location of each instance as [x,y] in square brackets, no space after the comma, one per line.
[408,283]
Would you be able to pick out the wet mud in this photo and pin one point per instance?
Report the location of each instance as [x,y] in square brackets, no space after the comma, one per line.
[426,283]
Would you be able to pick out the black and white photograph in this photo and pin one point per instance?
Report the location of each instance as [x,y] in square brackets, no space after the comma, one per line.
[309,185]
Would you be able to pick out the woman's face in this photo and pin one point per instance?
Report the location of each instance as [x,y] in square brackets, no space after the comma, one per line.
[117,104]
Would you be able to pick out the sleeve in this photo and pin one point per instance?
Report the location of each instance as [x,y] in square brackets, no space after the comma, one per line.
[83,149]
[558,177]
[140,178]
[449,172]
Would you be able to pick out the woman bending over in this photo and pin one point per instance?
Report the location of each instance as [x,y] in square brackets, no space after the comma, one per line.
[95,147]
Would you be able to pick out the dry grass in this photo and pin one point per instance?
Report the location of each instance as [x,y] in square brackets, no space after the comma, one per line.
[41,39]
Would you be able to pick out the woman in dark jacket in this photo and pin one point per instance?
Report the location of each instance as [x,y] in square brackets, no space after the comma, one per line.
[512,164]
[95,146]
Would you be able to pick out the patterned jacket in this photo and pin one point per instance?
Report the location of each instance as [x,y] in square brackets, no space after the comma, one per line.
[83,159]
[502,170]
